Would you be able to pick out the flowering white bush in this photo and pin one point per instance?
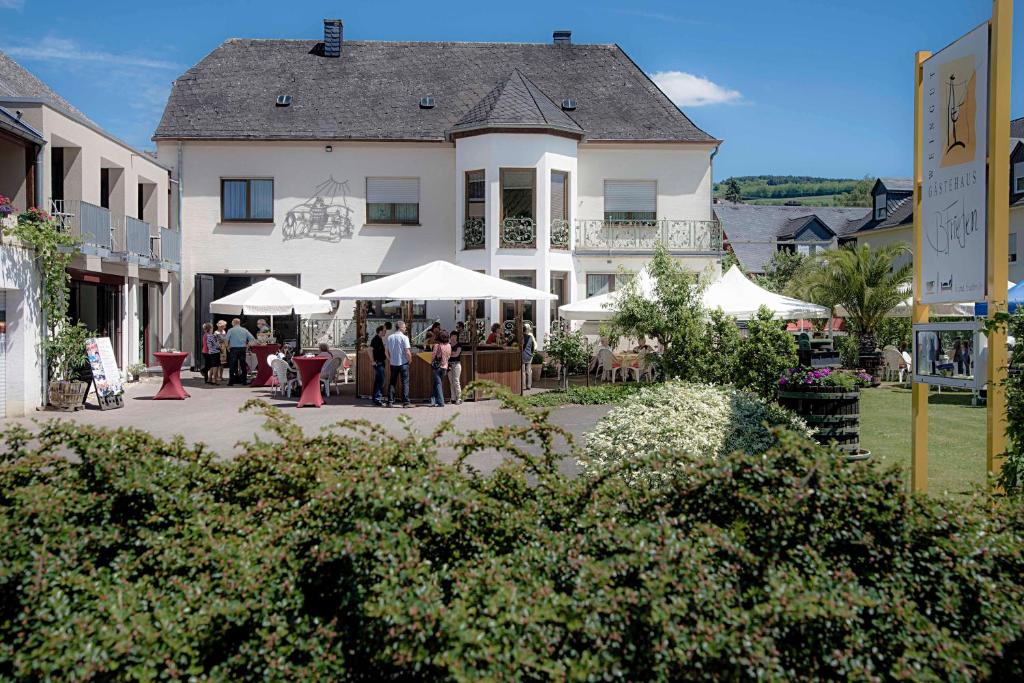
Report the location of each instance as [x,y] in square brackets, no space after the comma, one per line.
[666,426]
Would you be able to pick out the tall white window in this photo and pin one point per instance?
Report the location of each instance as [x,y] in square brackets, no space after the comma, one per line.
[630,200]
[393,200]
[1013,247]
[1018,178]
[880,212]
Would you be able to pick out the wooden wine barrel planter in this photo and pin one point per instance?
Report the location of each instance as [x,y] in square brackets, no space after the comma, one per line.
[67,396]
[834,414]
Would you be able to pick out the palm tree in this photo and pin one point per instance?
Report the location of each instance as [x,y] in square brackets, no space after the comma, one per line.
[863,280]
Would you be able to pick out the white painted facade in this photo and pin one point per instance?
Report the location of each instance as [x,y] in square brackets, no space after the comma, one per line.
[22,371]
[682,172]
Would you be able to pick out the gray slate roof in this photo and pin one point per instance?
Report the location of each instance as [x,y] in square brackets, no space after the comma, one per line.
[372,91]
[753,230]
[515,103]
[18,82]
[898,184]
[1017,128]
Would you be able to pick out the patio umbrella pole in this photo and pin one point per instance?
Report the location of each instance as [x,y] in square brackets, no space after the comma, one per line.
[471,314]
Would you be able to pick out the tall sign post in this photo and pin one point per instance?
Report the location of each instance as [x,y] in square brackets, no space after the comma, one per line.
[919,315]
[961,207]
[999,218]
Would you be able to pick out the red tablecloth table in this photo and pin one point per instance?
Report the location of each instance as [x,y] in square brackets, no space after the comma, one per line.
[309,375]
[263,371]
[170,364]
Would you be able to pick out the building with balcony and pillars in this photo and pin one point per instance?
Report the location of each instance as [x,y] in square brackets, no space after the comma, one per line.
[328,162]
[116,199]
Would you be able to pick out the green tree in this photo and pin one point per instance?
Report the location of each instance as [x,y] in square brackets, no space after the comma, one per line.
[732,191]
[860,195]
[780,270]
[722,349]
[764,354]
[865,281]
[674,315]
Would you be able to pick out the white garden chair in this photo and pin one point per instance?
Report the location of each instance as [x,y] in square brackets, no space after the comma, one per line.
[895,367]
[281,383]
[641,367]
[329,375]
[609,366]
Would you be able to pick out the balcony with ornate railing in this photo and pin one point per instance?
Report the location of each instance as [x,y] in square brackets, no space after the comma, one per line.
[679,236]
[88,222]
[559,233]
[518,233]
[473,233]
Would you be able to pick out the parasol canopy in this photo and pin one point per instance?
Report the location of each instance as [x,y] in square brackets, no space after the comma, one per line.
[270,297]
[440,281]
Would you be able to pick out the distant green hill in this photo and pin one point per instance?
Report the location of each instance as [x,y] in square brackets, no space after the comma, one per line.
[780,189]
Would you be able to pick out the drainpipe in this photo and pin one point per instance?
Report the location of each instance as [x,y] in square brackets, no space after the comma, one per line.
[181,236]
[43,370]
[711,164]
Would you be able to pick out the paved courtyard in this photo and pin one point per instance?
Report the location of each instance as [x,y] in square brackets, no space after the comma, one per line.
[212,416]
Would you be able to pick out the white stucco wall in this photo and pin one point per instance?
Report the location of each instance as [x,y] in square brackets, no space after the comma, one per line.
[1017,228]
[19,278]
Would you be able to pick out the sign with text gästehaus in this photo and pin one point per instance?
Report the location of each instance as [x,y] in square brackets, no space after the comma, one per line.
[953,191]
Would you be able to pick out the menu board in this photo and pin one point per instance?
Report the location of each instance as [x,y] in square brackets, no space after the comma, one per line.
[106,376]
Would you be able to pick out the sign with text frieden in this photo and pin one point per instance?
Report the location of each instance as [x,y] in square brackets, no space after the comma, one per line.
[954,187]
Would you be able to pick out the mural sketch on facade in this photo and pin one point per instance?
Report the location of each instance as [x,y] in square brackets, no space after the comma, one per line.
[324,216]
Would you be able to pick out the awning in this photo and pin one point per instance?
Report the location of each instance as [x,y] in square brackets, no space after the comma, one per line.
[270,297]
[440,281]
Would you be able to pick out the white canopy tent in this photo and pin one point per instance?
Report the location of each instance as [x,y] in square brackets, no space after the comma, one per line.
[270,297]
[440,281]
[905,308]
[735,294]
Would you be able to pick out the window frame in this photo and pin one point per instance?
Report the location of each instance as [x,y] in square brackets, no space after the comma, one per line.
[1012,248]
[468,201]
[501,192]
[392,218]
[612,282]
[565,194]
[248,201]
[631,216]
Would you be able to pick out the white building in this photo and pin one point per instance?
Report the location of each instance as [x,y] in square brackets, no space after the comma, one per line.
[124,281]
[331,162]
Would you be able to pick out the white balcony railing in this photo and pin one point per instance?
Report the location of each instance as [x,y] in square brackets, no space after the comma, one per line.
[689,236]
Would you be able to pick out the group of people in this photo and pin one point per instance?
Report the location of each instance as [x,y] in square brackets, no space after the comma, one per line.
[393,349]
[223,347]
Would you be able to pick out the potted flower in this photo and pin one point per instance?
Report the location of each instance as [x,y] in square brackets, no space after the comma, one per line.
[829,401]
[135,371]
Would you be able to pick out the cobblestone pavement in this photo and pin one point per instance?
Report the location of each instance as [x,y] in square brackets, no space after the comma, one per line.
[212,416]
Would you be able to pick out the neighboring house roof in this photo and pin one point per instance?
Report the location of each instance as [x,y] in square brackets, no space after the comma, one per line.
[1017,128]
[897,214]
[12,123]
[18,82]
[753,231]
[898,184]
[516,103]
[372,91]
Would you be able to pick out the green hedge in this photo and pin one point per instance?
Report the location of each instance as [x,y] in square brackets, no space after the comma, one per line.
[359,555]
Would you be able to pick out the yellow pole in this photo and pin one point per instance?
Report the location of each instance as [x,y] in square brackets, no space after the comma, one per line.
[919,390]
[1000,50]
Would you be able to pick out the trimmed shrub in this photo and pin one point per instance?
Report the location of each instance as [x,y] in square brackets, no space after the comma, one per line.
[594,395]
[358,555]
[764,355]
[666,428]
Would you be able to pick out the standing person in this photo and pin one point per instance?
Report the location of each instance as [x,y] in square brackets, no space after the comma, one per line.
[529,346]
[455,367]
[211,354]
[439,363]
[494,337]
[204,350]
[221,337]
[379,356]
[239,339]
[399,352]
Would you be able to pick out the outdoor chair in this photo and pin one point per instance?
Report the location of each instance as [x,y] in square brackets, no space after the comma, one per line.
[609,365]
[641,367]
[895,367]
[329,375]
[281,384]
[345,369]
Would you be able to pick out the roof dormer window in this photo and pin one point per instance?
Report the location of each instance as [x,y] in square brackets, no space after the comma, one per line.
[880,211]
[1018,178]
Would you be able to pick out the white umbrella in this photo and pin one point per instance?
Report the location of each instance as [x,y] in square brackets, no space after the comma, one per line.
[270,297]
[734,294]
[439,281]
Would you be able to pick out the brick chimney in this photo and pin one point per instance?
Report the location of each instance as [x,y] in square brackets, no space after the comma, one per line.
[332,37]
[562,37]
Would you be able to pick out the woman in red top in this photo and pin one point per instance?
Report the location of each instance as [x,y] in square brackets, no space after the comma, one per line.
[439,361]
[493,337]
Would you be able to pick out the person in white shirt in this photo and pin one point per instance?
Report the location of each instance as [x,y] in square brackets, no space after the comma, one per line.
[399,352]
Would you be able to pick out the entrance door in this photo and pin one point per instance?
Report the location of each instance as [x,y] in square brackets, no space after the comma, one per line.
[203,296]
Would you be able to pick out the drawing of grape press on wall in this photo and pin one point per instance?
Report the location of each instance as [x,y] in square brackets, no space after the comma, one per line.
[324,216]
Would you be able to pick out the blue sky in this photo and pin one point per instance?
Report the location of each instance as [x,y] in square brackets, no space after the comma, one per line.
[815,87]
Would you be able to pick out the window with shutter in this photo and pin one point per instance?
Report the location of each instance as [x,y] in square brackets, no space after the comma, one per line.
[630,200]
[393,200]
[1018,178]
[517,193]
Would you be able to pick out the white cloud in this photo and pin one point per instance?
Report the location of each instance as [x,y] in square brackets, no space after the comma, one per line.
[688,90]
[12,4]
[54,49]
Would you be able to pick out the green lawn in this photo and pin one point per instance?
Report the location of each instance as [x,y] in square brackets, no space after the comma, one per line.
[956,436]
